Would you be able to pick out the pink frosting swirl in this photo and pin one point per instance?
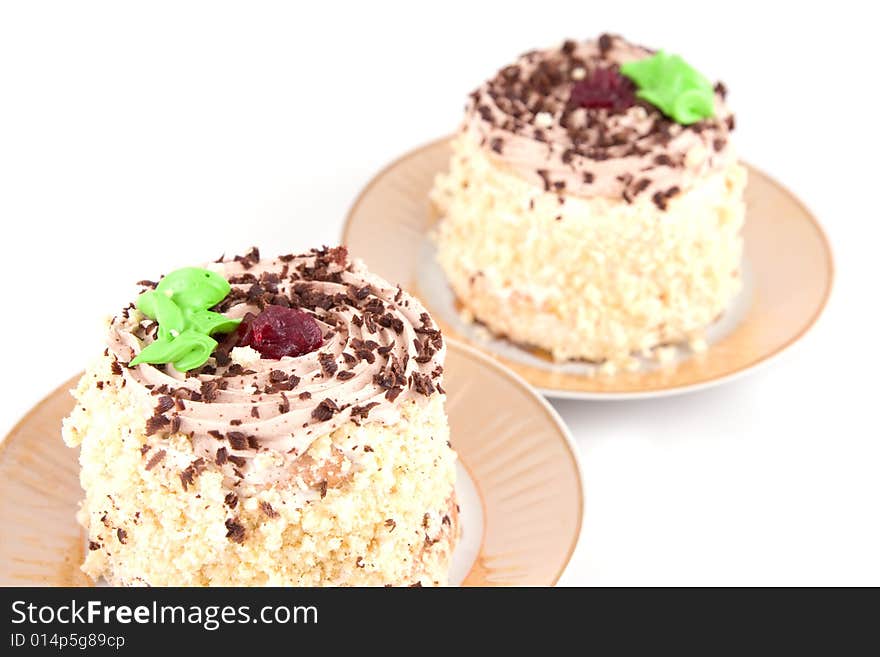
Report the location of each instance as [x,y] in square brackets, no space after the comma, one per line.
[380,350]
[523,119]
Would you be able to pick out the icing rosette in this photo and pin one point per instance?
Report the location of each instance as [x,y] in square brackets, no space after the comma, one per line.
[540,118]
[256,417]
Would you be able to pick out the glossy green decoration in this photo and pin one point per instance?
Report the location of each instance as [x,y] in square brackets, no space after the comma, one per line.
[673,86]
[180,305]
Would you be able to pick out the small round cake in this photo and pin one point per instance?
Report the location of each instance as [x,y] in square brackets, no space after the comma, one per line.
[268,422]
[594,204]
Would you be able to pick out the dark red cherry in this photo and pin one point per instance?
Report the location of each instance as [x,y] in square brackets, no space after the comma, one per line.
[605,88]
[277,332]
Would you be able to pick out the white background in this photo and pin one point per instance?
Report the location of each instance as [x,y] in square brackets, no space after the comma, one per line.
[135,139]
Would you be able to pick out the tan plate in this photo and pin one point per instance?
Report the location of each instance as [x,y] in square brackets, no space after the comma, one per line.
[521,492]
[787,279]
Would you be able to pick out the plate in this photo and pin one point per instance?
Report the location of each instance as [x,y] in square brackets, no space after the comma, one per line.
[787,275]
[520,485]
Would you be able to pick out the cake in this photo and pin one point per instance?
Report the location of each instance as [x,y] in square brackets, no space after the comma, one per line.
[267,422]
[593,204]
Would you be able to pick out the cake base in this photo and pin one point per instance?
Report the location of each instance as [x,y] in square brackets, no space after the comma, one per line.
[587,278]
[387,515]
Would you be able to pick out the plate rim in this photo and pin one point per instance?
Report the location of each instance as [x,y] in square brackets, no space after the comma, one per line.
[468,351]
[562,393]
[564,432]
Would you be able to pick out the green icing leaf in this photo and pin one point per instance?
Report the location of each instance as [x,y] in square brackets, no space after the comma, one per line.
[187,351]
[180,305]
[163,310]
[207,322]
[673,86]
[199,349]
[194,288]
